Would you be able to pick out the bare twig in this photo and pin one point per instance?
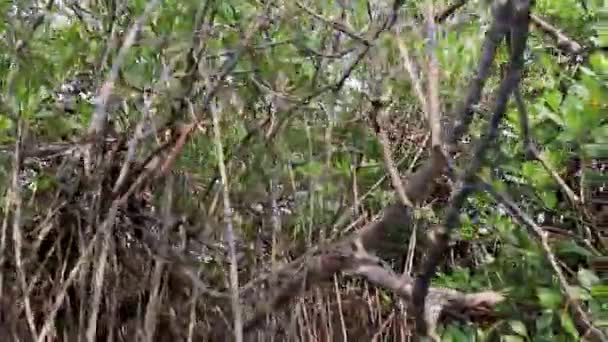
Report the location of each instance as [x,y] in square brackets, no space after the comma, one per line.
[275,219]
[448,11]
[387,154]
[5,222]
[134,142]
[63,291]
[410,66]
[100,116]
[564,42]
[176,150]
[229,232]
[339,300]
[349,256]
[440,299]
[532,152]
[152,309]
[340,220]
[105,230]
[433,115]
[574,199]
[334,24]
[99,120]
[15,199]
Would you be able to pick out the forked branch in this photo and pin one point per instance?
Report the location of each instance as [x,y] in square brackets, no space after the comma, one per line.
[512,15]
[350,257]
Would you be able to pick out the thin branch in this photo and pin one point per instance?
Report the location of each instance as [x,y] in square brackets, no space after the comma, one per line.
[336,86]
[387,155]
[347,213]
[410,66]
[534,153]
[464,113]
[100,115]
[105,229]
[448,11]
[574,199]
[587,328]
[229,232]
[261,46]
[15,199]
[440,299]
[519,26]
[335,25]
[3,241]
[152,308]
[63,291]
[564,42]
[102,261]
[133,143]
[433,115]
[349,256]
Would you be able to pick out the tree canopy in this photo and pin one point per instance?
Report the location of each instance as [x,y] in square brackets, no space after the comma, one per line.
[304,170]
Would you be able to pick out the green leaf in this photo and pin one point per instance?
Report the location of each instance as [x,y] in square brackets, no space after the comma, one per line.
[571,247]
[587,278]
[573,110]
[549,199]
[44,183]
[554,99]
[600,291]
[536,173]
[549,298]
[454,334]
[519,328]
[599,63]
[545,113]
[596,150]
[600,134]
[544,323]
[312,169]
[568,324]
[5,124]
[512,338]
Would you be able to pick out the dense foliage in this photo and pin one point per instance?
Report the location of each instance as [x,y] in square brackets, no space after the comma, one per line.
[242,134]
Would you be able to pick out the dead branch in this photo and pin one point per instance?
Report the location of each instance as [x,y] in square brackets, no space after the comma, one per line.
[14,198]
[320,264]
[448,11]
[432,66]
[564,42]
[229,231]
[388,159]
[350,257]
